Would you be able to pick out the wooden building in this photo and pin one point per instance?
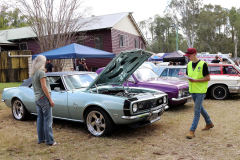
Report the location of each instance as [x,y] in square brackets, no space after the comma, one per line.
[112,33]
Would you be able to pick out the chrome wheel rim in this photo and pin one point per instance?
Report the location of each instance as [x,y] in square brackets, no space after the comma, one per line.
[96,123]
[17,109]
[219,93]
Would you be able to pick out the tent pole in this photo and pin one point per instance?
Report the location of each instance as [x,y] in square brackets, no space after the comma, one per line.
[75,64]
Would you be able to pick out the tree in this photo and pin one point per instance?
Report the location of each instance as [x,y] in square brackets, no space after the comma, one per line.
[4,22]
[16,20]
[212,31]
[234,18]
[143,27]
[151,26]
[185,13]
[55,22]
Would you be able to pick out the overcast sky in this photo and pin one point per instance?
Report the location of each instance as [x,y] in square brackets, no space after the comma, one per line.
[143,9]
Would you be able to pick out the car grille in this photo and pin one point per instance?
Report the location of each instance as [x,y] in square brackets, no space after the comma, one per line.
[149,104]
[185,92]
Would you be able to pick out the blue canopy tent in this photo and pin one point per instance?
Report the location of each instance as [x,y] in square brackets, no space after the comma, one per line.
[155,58]
[75,51]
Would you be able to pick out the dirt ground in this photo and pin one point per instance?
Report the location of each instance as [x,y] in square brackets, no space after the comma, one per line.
[164,139]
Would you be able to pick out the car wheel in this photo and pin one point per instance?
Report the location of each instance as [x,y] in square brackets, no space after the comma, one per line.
[219,92]
[98,122]
[19,111]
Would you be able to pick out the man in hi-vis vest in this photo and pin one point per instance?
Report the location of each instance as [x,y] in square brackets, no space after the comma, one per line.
[198,74]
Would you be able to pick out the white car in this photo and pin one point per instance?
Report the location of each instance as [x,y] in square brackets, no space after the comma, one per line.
[225,78]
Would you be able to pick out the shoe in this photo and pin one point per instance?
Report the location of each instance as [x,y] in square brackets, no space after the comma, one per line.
[54,144]
[190,135]
[207,127]
[41,142]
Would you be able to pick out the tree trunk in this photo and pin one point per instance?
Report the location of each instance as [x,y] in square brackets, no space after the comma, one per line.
[236,42]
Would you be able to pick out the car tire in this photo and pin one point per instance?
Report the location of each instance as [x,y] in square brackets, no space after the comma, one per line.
[219,92]
[98,122]
[19,110]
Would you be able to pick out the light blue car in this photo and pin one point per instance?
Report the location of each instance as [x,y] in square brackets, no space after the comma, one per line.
[100,101]
[168,72]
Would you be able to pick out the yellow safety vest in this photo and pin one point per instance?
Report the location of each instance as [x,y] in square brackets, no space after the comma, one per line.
[197,87]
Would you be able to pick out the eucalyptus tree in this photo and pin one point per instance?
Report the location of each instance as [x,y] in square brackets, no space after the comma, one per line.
[4,21]
[16,19]
[151,26]
[163,33]
[234,18]
[185,13]
[212,30]
[144,27]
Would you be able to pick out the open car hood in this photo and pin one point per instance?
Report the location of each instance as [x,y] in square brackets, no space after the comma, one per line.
[120,68]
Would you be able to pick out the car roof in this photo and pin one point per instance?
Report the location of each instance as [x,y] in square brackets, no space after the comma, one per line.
[67,73]
[170,67]
[220,64]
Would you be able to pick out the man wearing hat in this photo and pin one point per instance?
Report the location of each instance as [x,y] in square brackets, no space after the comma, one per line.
[82,66]
[197,70]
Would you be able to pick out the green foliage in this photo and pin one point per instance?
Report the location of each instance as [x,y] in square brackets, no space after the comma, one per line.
[11,19]
[212,32]
[212,28]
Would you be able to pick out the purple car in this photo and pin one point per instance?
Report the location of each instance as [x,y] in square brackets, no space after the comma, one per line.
[178,91]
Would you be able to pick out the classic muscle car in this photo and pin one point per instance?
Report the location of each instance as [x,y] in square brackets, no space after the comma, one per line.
[178,92]
[100,101]
[225,78]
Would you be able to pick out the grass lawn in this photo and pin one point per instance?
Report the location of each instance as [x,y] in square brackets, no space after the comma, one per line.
[11,84]
[162,140]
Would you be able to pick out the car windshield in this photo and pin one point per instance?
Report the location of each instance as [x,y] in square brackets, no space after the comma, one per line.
[79,81]
[237,68]
[229,61]
[144,74]
[148,65]
[158,70]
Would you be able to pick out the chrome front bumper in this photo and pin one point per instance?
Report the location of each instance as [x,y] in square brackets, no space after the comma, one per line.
[145,114]
[234,89]
[181,99]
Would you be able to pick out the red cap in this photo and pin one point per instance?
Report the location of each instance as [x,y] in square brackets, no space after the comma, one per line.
[190,51]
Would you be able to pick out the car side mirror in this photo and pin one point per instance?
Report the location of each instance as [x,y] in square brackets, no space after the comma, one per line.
[57,89]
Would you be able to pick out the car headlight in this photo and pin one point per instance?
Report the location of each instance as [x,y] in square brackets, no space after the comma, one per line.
[179,93]
[165,99]
[135,108]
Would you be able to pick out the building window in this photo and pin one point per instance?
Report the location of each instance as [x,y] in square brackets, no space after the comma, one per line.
[98,41]
[80,40]
[136,43]
[141,45]
[123,41]
[120,40]
[23,46]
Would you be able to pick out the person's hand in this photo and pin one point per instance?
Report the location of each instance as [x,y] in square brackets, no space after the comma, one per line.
[51,103]
[192,80]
